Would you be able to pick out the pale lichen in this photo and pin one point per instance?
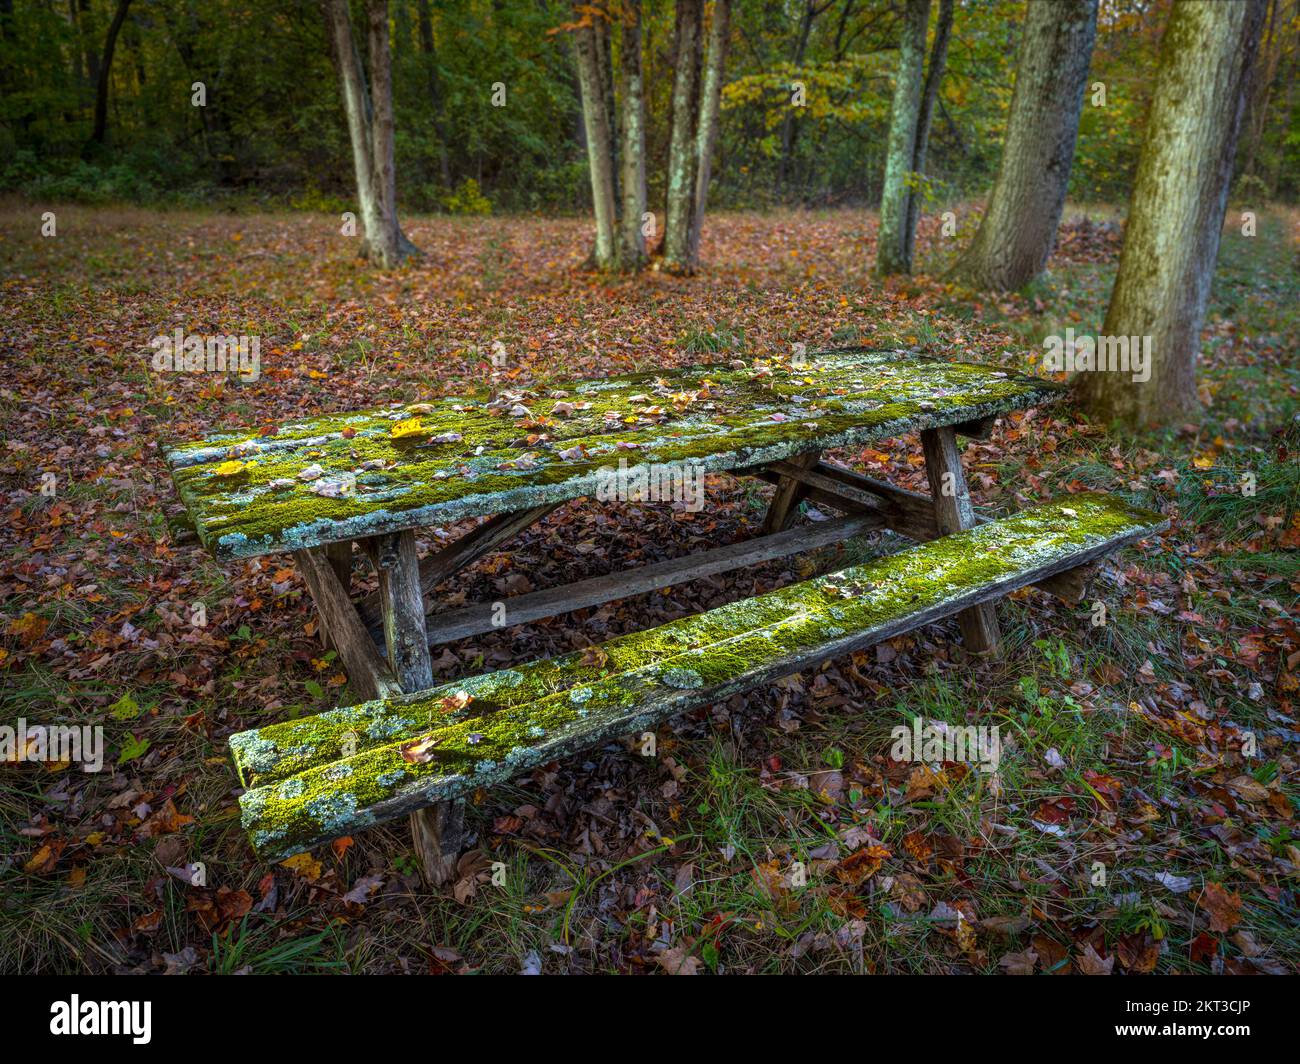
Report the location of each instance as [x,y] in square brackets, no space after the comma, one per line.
[548,709]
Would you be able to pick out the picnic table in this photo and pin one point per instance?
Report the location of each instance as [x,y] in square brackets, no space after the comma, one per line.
[367,481]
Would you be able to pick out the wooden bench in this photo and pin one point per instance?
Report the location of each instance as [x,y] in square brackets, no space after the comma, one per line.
[320,487]
[314,779]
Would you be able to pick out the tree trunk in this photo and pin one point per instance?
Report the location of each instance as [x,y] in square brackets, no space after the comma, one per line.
[605,63]
[370,128]
[1256,117]
[1018,230]
[891,245]
[707,135]
[789,129]
[600,156]
[634,180]
[933,76]
[681,146]
[1175,218]
[100,129]
[384,173]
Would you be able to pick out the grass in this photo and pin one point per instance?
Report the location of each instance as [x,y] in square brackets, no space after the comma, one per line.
[722,847]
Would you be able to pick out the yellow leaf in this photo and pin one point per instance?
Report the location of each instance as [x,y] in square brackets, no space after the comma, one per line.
[228,469]
[409,427]
[305,865]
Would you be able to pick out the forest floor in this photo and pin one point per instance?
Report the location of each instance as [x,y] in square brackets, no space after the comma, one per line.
[1124,830]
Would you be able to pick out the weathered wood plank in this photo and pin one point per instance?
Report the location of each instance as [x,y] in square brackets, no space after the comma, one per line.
[401,608]
[445,627]
[979,429]
[954,513]
[510,721]
[790,491]
[469,548]
[910,514]
[367,671]
[438,462]
[436,831]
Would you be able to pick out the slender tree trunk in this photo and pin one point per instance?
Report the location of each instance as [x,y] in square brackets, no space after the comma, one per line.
[600,156]
[384,172]
[933,76]
[891,245]
[1018,230]
[1175,218]
[100,129]
[681,145]
[605,62]
[789,128]
[634,179]
[707,136]
[369,115]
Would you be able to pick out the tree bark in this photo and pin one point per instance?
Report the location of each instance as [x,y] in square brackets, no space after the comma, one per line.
[707,136]
[891,245]
[386,246]
[1175,218]
[634,178]
[681,146]
[600,156]
[1018,230]
[933,76]
[369,115]
[100,129]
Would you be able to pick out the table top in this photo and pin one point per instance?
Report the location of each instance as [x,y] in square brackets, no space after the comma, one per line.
[351,475]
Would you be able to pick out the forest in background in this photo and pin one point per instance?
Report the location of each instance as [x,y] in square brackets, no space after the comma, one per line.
[487,108]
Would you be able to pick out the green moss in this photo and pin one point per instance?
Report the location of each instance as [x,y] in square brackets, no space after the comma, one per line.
[546,709]
[490,461]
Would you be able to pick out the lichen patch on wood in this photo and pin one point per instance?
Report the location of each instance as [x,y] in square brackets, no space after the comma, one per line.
[313,779]
[350,476]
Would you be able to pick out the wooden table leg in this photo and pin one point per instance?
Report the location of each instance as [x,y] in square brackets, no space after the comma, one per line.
[954,513]
[437,830]
[783,508]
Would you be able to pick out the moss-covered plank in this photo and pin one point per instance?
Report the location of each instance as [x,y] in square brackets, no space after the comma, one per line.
[351,476]
[314,779]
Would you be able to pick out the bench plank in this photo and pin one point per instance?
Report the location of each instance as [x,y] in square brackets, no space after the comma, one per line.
[351,476]
[412,751]
[446,626]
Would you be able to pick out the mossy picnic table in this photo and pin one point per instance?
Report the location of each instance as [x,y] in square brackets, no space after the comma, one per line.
[373,478]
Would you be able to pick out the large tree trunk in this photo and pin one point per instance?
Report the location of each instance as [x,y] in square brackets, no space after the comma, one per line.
[891,245]
[1171,237]
[600,155]
[681,145]
[707,135]
[100,129]
[634,180]
[1018,230]
[933,76]
[369,115]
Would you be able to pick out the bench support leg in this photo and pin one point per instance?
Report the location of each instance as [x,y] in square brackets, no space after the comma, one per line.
[954,513]
[783,508]
[436,831]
